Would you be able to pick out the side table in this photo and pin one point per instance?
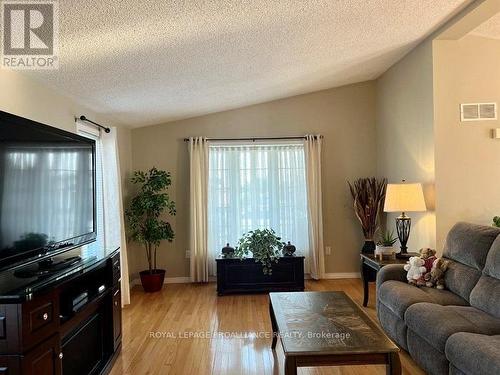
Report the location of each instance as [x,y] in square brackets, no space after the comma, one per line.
[369,268]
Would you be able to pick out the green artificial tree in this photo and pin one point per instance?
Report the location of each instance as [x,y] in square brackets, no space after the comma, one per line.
[144,213]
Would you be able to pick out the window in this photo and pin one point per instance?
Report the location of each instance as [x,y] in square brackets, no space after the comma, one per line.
[256,186]
[97,246]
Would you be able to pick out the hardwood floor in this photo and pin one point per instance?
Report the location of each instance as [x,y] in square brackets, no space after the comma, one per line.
[156,329]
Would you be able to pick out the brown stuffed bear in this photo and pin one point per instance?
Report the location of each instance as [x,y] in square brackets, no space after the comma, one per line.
[435,278]
[428,256]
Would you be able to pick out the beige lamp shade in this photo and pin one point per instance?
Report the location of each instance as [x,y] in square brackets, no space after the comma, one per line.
[404,198]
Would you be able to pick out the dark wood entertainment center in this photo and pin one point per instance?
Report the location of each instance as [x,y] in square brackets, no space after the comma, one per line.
[66,323]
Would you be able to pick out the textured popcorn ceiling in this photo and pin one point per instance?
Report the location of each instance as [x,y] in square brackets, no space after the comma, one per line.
[490,28]
[147,62]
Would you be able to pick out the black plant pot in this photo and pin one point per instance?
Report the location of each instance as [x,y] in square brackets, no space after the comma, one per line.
[368,247]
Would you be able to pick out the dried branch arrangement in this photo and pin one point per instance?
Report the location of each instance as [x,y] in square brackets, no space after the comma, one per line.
[368,195]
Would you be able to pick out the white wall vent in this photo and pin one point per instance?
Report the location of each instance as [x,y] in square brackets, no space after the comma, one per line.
[478,111]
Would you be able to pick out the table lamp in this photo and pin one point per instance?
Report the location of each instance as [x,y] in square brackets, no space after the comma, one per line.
[404,198]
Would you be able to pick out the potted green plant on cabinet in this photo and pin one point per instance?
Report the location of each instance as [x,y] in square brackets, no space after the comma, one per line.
[145,222]
[264,245]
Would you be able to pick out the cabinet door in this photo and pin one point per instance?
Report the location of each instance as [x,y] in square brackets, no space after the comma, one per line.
[116,270]
[117,318]
[45,359]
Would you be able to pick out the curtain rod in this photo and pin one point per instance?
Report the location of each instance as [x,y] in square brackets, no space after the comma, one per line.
[253,139]
[106,129]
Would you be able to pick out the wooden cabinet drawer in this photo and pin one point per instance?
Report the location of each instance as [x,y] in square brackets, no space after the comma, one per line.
[41,316]
[39,319]
[10,364]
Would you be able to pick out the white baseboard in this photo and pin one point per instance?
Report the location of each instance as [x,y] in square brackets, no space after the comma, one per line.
[177,280]
[343,275]
[168,280]
[187,279]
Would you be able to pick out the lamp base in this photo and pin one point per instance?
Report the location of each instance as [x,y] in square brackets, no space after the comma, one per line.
[403,226]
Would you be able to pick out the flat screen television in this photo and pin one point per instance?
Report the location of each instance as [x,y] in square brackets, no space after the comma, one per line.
[47,191]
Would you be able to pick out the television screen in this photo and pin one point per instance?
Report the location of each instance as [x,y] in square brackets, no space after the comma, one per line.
[47,183]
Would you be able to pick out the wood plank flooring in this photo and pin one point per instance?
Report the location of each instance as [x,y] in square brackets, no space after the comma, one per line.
[156,331]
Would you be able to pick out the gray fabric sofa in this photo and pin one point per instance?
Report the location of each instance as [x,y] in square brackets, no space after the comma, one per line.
[452,331]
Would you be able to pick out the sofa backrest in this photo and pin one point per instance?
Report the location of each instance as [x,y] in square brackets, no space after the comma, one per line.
[486,294]
[467,247]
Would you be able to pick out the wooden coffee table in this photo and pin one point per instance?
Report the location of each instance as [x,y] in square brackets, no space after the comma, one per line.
[328,329]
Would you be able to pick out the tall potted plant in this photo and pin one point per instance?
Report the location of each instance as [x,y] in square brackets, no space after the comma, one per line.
[145,223]
[368,199]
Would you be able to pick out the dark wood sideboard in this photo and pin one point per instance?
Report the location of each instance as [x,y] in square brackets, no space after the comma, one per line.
[246,276]
[42,331]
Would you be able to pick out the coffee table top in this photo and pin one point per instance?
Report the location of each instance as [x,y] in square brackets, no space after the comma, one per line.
[326,323]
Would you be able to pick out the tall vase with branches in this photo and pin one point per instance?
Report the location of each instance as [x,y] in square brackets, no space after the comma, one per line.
[368,199]
[146,225]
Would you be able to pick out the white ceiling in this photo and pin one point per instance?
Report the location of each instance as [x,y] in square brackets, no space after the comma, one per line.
[490,28]
[146,62]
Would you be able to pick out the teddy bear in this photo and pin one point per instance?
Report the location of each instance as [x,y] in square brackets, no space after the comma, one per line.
[436,276]
[429,256]
[415,268]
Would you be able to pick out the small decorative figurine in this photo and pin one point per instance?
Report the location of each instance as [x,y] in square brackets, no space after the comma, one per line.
[288,250]
[227,251]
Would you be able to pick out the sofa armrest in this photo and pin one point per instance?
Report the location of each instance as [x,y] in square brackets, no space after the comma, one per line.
[391,272]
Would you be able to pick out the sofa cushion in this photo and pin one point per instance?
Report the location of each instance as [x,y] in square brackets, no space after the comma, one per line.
[398,296]
[471,353]
[436,323]
[455,371]
[486,293]
[469,244]
[393,325]
[492,266]
[461,279]
[429,359]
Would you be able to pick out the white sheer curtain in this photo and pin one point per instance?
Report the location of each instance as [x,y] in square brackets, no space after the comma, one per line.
[312,147]
[109,202]
[198,173]
[256,186]
[114,230]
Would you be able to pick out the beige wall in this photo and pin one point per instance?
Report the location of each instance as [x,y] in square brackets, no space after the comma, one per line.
[23,96]
[405,141]
[467,158]
[345,116]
